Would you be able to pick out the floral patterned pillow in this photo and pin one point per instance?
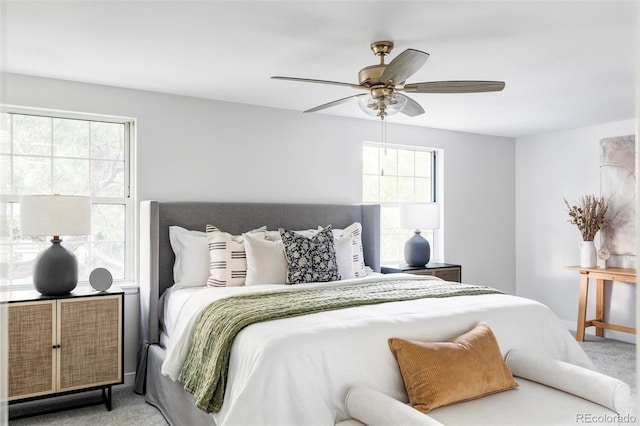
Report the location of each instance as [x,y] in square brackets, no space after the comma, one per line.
[310,259]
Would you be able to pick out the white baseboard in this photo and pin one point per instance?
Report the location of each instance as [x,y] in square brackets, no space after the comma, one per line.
[609,334]
[129,381]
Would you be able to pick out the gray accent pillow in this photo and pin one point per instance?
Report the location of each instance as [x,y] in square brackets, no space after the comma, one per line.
[310,259]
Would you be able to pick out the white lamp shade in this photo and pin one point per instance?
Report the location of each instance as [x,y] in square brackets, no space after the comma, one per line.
[420,216]
[55,215]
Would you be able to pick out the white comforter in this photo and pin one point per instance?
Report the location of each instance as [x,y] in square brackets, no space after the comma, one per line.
[297,371]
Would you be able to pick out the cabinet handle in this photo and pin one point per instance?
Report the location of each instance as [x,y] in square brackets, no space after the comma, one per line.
[55,347]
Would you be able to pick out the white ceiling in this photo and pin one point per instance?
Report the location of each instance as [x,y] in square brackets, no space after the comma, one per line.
[566,64]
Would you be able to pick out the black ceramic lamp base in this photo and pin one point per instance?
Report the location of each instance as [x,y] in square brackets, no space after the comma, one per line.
[417,250]
[56,270]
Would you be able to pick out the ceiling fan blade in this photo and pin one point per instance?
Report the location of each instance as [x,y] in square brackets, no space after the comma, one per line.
[309,80]
[412,108]
[404,66]
[469,86]
[333,103]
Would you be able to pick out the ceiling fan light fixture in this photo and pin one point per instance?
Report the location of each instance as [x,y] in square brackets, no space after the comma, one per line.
[368,105]
[387,105]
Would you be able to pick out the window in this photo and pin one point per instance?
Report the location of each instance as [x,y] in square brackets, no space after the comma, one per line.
[393,175]
[71,155]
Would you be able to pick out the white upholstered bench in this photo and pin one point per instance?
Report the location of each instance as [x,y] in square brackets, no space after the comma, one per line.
[550,393]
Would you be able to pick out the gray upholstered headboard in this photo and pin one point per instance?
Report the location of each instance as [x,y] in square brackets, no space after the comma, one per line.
[156,255]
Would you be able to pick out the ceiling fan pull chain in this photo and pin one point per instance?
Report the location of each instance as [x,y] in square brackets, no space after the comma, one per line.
[384,135]
[384,141]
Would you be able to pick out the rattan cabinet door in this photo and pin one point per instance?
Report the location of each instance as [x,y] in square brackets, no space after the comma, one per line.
[32,355]
[90,338]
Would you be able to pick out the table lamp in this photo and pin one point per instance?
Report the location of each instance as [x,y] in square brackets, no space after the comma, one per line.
[417,251]
[55,271]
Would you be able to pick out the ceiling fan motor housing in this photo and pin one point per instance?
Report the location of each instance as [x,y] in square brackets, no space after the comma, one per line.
[370,76]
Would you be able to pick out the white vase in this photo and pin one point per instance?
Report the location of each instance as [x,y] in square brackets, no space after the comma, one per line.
[588,257]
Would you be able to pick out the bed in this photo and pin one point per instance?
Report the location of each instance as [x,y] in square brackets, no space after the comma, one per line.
[298,371]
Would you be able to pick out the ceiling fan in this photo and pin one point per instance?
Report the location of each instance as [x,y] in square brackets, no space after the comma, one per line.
[384,82]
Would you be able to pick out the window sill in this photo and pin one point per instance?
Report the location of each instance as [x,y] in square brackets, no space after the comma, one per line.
[128,287]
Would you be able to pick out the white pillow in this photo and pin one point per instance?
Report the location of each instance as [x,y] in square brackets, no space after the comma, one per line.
[307,233]
[266,263]
[354,231]
[227,257]
[191,267]
[272,236]
[344,256]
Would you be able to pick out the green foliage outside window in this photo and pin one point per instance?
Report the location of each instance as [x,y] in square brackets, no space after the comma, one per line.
[56,155]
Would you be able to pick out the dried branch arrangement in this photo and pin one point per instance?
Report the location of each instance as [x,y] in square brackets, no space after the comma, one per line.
[588,214]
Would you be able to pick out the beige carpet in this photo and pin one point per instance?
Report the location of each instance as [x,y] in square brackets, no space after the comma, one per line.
[611,357]
[616,359]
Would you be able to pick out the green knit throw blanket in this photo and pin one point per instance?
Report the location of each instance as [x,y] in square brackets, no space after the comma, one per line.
[204,373]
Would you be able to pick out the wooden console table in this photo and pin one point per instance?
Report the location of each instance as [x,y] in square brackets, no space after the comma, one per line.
[600,274]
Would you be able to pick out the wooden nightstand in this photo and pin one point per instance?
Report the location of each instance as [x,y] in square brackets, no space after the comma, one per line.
[65,344]
[446,271]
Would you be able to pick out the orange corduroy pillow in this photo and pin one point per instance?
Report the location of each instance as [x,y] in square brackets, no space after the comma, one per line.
[441,373]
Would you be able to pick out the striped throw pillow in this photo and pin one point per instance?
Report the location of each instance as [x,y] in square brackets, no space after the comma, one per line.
[227,257]
[355,232]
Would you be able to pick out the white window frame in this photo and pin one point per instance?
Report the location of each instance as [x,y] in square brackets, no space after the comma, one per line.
[433,235]
[129,199]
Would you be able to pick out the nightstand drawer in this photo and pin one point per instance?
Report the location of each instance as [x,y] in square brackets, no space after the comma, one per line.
[445,271]
[447,274]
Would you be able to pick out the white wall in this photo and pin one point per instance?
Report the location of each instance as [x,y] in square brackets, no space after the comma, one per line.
[195,149]
[549,168]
